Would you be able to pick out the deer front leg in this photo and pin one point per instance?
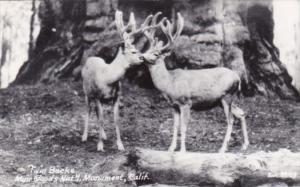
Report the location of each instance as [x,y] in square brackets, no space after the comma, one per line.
[116,123]
[245,134]
[229,118]
[99,113]
[86,119]
[176,118]
[240,114]
[184,119]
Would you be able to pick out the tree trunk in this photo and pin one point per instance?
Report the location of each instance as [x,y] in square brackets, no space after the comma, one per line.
[235,34]
[31,40]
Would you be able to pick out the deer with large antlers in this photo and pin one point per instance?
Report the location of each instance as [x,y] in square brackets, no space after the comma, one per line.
[101,81]
[200,89]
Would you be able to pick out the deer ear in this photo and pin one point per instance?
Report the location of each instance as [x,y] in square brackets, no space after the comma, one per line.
[167,53]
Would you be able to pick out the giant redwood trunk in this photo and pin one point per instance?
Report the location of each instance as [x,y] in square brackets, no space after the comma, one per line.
[235,34]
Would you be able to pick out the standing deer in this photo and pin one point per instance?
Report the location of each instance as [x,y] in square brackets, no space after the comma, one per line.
[186,89]
[101,83]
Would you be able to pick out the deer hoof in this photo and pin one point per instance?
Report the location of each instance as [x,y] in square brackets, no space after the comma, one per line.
[183,150]
[100,147]
[172,148]
[84,138]
[245,146]
[120,146]
[222,150]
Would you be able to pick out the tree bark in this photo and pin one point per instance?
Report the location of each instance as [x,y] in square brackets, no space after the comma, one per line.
[31,39]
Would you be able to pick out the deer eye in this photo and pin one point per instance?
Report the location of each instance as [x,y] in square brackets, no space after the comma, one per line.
[133,52]
[155,54]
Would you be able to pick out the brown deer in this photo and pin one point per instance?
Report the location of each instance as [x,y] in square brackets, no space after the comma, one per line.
[185,89]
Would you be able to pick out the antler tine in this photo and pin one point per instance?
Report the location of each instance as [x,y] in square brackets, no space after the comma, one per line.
[119,21]
[179,25]
[143,26]
[167,30]
[123,29]
[131,22]
[154,23]
[150,33]
[147,21]
[146,25]
[154,20]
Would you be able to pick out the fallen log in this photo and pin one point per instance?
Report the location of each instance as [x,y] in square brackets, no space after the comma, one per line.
[225,169]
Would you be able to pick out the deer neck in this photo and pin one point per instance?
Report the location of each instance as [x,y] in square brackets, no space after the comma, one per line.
[160,75]
[119,66]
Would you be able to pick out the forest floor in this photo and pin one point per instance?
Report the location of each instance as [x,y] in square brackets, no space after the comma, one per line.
[41,127]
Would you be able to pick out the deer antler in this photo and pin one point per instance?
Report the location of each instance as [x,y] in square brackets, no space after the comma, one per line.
[131,26]
[167,29]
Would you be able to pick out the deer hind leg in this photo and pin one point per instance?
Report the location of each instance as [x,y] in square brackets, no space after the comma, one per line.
[104,137]
[86,119]
[184,119]
[240,114]
[176,118]
[116,123]
[229,118]
[99,113]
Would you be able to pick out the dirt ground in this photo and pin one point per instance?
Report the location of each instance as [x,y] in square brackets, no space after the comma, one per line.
[41,126]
